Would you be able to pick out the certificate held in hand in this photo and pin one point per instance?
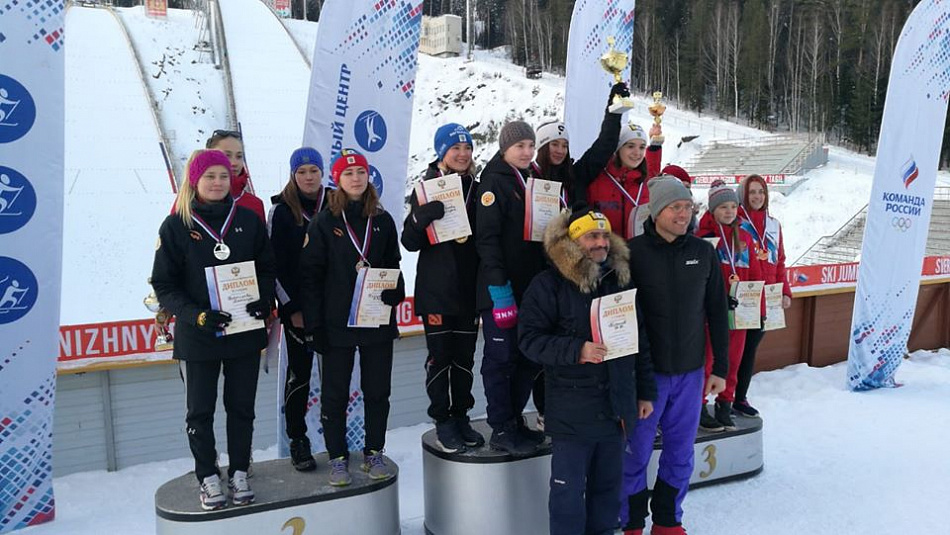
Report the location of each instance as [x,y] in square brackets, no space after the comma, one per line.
[454,224]
[774,312]
[542,203]
[748,313]
[367,309]
[231,287]
[613,322]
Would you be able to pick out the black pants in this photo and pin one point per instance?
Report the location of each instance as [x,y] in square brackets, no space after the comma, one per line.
[586,479]
[747,366]
[376,367]
[451,343]
[201,395]
[506,373]
[297,385]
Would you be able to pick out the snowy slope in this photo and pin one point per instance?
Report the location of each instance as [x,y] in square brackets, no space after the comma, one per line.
[271,81]
[836,462]
[117,188]
[189,91]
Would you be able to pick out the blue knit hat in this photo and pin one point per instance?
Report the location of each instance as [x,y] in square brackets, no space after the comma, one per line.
[305,156]
[448,135]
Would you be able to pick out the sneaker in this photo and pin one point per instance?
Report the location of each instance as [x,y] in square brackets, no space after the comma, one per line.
[540,424]
[742,408]
[210,494]
[301,456]
[339,472]
[448,438]
[531,435]
[508,439]
[471,437]
[241,493]
[375,466]
[709,424]
[724,415]
[665,530]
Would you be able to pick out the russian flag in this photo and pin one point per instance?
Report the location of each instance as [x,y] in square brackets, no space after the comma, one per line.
[910,172]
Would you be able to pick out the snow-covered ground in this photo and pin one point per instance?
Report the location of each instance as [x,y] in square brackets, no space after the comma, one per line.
[836,462]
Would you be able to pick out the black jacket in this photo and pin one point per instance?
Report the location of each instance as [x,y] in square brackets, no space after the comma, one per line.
[681,291]
[584,400]
[445,273]
[286,237]
[328,274]
[591,163]
[503,252]
[178,277]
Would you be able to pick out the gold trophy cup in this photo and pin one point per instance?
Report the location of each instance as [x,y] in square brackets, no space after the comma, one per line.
[656,110]
[615,62]
[164,339]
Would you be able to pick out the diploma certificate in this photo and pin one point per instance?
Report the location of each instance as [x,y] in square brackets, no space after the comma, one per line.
[748,314]
[542,203]
[613,322]
[454,224]
[231,287]
[367,309]
[774,313]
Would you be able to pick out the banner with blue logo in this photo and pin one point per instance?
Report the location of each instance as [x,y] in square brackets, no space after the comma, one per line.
[588,84]
[31,244]
[361,94]
[898,219]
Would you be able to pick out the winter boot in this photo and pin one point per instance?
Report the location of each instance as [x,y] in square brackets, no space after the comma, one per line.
[375,466]
[339,472]
[742,408]
[506,438]
[301,456]
[449,438]
[707,423]
[241,493]
[531,435]
[724,415]
[471,437]
[210,494]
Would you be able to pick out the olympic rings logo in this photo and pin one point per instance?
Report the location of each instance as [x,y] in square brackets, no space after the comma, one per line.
[902,224]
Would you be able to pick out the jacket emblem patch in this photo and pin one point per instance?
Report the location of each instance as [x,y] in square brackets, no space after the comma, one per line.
[488,198]
[195,235]
[338,232]
[692,262]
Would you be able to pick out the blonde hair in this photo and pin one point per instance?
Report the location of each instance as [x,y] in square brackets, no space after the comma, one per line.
[186,195]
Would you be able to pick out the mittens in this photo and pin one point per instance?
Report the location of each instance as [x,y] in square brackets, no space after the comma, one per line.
[504,310]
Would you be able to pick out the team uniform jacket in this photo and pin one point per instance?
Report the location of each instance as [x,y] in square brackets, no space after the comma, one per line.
[604,196]
[287,237]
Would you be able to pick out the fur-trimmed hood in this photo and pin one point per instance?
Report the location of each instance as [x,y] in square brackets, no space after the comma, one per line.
[569,259]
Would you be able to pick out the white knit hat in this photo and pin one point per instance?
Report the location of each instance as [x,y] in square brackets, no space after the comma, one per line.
[548,132]
[631,131]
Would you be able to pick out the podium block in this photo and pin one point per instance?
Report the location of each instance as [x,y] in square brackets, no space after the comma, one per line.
[287,501]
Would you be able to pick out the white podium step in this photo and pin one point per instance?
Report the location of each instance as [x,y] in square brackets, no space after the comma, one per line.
[287,501]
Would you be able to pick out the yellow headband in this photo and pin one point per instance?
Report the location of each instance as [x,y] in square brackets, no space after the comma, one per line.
[586,223]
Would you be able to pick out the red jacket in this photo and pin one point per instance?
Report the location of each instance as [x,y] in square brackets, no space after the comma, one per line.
[743,257]
[604,196]
[243,197]
[766,233]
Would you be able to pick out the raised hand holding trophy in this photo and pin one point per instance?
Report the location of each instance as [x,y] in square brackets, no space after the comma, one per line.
[656,110]
[615,62]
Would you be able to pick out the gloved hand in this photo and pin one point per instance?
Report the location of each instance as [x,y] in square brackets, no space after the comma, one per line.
[213,320]
[504,310]
[618,90]
[424,214]
[392,297]
[259,309]
[316,341]
[733,303]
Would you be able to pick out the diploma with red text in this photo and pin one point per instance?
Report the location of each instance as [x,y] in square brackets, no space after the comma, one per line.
[367,309]
[454,225]
[231,287]
[613,322]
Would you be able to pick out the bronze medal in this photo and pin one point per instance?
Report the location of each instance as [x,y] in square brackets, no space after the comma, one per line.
[733,278]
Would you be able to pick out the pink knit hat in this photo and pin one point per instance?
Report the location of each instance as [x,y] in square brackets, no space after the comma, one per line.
[204,159]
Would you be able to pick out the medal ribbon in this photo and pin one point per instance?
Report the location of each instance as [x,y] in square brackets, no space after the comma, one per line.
[224,228]
[537,170]
[729,249]
[366,237]
[759,236]
[309,217]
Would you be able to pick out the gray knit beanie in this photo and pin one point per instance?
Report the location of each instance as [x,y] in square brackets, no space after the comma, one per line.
[720,193]
[664,191]
[514,132]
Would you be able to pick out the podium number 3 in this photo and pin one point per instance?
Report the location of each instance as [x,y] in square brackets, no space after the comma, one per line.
[710,460]
[296,523]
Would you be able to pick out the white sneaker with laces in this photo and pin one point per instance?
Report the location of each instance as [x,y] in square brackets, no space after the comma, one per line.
[210,493]
[241,493]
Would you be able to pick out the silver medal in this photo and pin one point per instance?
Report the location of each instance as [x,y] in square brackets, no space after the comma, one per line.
[221,251]
[361,264]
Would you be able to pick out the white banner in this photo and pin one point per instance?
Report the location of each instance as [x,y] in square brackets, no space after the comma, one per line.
[31,213]
[361,94]
[588,84]
[899,211]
